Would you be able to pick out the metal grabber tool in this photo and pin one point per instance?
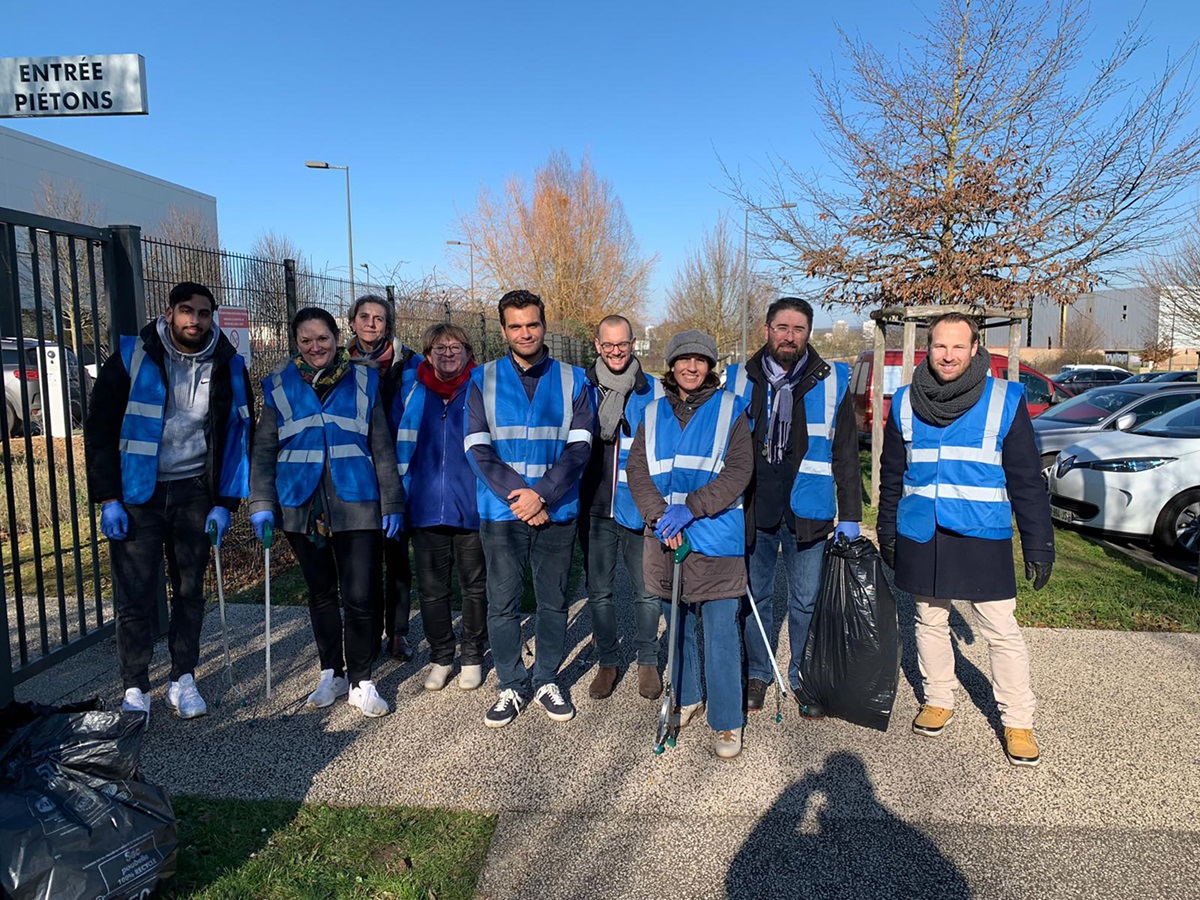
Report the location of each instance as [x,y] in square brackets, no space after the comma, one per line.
[780,687]
[268,539]
[668,729]
[229,679]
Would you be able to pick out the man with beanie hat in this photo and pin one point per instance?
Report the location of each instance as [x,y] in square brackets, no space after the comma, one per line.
[610,525]
[806,475]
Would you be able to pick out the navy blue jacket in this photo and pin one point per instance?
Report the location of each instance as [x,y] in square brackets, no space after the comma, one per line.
[442,490]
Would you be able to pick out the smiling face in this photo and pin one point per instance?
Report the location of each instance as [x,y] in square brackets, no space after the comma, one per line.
[369,325]
[690,371]
[787,336]
[190,323]
[951,349]
[525,332]
[449,358]
[615,346]
[316,342]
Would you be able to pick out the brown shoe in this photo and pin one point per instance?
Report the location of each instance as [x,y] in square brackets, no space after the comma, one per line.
[604,682]
[649,682]
[931,720]
[1020,747]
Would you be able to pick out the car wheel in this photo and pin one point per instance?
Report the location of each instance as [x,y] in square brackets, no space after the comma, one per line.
[1178,527]
[14,424]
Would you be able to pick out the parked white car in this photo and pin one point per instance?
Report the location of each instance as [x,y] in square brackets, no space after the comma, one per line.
[1142,483]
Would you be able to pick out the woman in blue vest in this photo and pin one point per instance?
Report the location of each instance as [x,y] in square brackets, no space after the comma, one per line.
[324,471]
[442,510]
[691,460]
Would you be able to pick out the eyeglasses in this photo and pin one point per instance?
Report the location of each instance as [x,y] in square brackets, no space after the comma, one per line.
[785,330]
[448,349]
[620,345]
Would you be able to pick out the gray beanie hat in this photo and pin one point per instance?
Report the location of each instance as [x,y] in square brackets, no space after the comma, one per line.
[696,342]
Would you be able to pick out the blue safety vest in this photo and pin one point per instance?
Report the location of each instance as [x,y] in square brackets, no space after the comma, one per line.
[955,475]
[528,436]
[625,511]
[682,460]
[311,430]
[142,427]
[813,493]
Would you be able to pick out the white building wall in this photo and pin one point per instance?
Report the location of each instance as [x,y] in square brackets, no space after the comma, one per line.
[1125,317]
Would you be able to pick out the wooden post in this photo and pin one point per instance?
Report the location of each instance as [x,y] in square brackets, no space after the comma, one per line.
[1014,349]
[877,408]
[910,347]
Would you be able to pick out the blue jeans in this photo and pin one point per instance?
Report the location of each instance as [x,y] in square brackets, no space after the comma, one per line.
[508,548]
[603,540]
[722,660]
[802,565]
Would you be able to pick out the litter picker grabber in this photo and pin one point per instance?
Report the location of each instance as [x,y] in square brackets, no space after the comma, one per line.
[780,688]
[668,731]
[212,536]
[268,539]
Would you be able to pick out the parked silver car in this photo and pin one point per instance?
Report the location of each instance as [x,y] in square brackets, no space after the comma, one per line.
[1102,409]
[31,369]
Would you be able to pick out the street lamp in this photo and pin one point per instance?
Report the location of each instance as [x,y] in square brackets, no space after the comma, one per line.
[471,248]
[367,266]
[318,164]
[746,266]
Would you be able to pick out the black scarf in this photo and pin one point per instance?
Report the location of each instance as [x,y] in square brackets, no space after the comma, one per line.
[940,404]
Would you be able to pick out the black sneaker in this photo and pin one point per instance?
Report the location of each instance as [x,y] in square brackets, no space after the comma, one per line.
[756,693]
[556,704]
[507,707]
[812,711]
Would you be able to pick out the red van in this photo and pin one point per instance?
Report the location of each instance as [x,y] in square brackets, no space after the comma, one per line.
[1040,391]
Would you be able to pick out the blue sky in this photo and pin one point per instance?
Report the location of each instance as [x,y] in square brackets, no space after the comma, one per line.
[427,102]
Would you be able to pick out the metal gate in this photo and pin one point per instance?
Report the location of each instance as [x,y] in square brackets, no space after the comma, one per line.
[65,290]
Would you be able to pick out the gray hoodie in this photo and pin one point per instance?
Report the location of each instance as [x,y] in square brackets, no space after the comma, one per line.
[183,452]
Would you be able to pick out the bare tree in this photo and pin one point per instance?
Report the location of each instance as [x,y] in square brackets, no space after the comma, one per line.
[1157,346]
[1173,277]
[567,239]
[984,164]
[1082,340]
[182,247]
[707,291]
[67,266]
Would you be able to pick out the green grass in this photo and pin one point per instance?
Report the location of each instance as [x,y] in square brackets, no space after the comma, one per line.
[272,849]
[1093,586]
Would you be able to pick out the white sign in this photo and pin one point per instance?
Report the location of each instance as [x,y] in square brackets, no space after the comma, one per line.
[234,322]
[112,85]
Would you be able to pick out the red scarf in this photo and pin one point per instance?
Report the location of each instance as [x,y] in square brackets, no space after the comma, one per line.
[444,389]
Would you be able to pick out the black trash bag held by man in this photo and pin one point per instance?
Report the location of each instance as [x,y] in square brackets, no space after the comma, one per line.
[851,660]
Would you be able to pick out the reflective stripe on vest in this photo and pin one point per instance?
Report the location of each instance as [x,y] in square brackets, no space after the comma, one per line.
[406,434]
[528,436]
[310,431]
[625,511]
[954,476]
[142,428]
[682,460]
[813,492]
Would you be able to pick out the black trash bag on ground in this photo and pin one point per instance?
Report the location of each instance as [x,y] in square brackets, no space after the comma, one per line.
[76,818]
[851,659]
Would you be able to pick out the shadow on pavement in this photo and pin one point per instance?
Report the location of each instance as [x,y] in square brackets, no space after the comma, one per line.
[850,845]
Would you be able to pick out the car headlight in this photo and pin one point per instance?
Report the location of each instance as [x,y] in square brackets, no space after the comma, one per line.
[1136,464]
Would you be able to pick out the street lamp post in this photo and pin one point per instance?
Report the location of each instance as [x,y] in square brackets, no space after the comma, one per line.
[471,249]
[367,266]
[746,268]
[318,164]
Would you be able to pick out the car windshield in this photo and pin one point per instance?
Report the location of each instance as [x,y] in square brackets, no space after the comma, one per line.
[1183,422]
[1090,408]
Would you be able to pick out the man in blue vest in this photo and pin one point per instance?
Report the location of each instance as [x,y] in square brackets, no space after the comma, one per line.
[610,526]
[806,475]
[958,463]
[167,439]
[529,435]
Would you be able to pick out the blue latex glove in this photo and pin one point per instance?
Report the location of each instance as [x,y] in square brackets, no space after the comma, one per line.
[676,518]
[114,521]
[393,525]
[217,516]
[849,529]
[260,521]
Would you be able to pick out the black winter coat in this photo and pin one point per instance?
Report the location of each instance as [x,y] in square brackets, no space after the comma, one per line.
[953,566]
[106,412]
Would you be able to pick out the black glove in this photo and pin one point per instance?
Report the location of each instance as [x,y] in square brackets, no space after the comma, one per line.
[887,550]
[1038,573]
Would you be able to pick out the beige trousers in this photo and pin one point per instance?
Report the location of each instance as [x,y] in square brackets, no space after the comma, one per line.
[997,624]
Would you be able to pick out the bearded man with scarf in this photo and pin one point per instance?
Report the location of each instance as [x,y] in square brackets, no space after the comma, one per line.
[958,463]
[610,525]
[806,474]
[373,323]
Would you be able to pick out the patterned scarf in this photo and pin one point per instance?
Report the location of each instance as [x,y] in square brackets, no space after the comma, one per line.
[381,357]
[779,422]
[323,379]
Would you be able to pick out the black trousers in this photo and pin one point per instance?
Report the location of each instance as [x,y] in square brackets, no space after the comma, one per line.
[436,550]
[348,564]
[171,520]
[397,588]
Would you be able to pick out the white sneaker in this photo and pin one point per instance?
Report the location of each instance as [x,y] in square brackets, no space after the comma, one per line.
[438,676]
[328,690]
[728,744]
[185,699]
[136,701]
[470,678]
[365,697]
[684,714]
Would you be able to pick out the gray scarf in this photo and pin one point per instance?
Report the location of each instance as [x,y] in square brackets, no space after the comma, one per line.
[940,404]
[616,390]
[779,422]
